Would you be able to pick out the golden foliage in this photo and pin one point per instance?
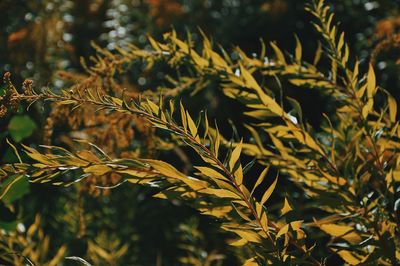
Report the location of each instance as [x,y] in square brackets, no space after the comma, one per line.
[29,246]
[350,168]
[387,32]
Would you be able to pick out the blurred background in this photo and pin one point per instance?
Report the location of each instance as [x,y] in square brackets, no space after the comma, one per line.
[125,225]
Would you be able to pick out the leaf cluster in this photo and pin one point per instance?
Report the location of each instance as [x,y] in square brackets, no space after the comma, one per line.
[348,169]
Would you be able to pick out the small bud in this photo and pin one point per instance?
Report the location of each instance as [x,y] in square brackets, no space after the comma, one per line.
[6,77]
[27,86]
[3,110]
[14,103]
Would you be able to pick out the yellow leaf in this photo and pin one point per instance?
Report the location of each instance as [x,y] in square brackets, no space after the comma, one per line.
[348,257]
[264,222]
[171,107]
[117,101]
[183,116]
[392,108]
[265,99]
[201,62]
[334,70]
[99,169]
[341,42]
[335,180]
[238,174]
[355,74]
[286,207]
[34,154]
[217,212]
[235,155]
[248,235]
[225,184]
[298,51]
[250,262]
[219,61]
[389,181]
[346,54]
[269,191]
[241,202]
[192,127]
[67,102]
[74,161]
[361,91]
[279,145]
[169,171]
[88,156]
[239,243]
[342,231]
[260,114]
[278,53]
[154,108]
[260,179]
[135,173]
[209,172]
[153,43]
[282,231]
[206,125]
[259,209]
[367,108]
[242,214]
[304,137]
[58,257]
[217,141]
[371,82]
[318,54]
[221,193]
[164,168]
[295,226]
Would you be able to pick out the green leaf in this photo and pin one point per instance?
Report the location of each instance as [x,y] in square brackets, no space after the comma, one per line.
[21,127]
[14,187]
[8,226]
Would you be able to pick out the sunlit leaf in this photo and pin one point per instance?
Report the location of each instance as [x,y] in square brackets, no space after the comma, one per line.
[269,191]
[371,82]
[286,207]
[98,169]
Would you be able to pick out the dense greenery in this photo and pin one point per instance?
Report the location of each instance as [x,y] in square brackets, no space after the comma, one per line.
[291,157]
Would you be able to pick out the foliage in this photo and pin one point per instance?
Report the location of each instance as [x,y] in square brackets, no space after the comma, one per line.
[342,177]
[30,247]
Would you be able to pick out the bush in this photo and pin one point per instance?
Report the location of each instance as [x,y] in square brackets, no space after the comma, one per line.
[289,192]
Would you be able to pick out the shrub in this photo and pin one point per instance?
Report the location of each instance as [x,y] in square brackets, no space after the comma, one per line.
[342,177]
